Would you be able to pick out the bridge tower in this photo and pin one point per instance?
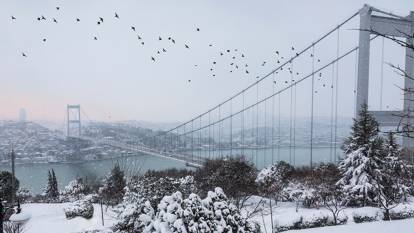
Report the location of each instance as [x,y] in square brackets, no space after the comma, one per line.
[73,120]
[389,25]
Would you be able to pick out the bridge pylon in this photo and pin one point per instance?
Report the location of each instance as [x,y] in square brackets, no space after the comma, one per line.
[73,120]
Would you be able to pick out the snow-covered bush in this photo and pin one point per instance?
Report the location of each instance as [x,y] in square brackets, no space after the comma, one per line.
[189,215]
[75,190]
[273,179]
[317,219]
[24,195]
[81,208]
[301,193]
[402,211]
[367,214]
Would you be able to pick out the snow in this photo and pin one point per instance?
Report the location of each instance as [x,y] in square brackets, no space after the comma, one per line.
[398,226]
[47,218]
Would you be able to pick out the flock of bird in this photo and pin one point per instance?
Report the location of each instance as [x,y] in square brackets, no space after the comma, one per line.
[236,59]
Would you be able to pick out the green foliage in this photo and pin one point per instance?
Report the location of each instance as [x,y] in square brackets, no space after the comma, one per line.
[6,188]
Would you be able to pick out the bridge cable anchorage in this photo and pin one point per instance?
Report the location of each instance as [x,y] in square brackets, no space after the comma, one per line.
[336,96]
[312,101]
[276,69]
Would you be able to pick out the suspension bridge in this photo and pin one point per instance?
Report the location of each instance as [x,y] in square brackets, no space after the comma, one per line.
[328,74]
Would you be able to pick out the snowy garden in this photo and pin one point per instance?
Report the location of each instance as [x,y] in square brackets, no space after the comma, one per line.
[370,188]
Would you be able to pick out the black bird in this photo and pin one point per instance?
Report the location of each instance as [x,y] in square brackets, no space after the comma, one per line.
[139,38]
[198,29]
[189,80]
[173,41]
[231,71]
[44,39]
[221,54]
[242,55]
[116,15]
[158,52]
[277,52]
[38,18]
[77,19]
[278,61]
[319,60]
[323,85]
[228,50]
[13,17]
[159,38]
[320,74]
[214,62]
[133,28]
[54,20]
[247,71]
[264,63]
[297,54]
[101,19]
[293,48]
[311,55]
[210,45]
[257,77]
[142,43]
[57,8]
[152,58]
[286,81]
[43,17]
[169,38]
[214,75]
[237,66]
[274,82]
[95,38]
[164,50]
[234,57]
[24,55]
[186,46]
[231,63]
[211,69]
[297,73]
[246,65]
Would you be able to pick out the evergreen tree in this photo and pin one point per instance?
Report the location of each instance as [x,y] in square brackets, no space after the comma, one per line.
[392,180]
[112,190]
[51,191]
[364,153]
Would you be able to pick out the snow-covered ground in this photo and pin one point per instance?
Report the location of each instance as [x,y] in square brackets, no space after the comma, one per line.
[50,218]
[397,226]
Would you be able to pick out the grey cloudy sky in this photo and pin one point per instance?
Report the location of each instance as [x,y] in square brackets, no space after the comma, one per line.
[114,78]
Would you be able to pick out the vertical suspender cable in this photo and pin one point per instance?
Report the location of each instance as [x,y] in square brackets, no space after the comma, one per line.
[382,72]
[265,134]
[356,80]
[257,125]
[279,130]
[192,140]
[312,101]
[332,111]
[231,127]
[336,96]
[242,132]
[209,135]
[273,119]
[219,133]
[290,121]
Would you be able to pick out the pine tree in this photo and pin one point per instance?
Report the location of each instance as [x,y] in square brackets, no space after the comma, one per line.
[51,192]
[113,191]
[391,180]
[55,188]
[364,153]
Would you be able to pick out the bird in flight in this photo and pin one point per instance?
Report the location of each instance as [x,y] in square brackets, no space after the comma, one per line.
[77,19]
[159,38]
[24,55]
[139,38]
[13,17]
[95,38]
[54,20]
[173,41]
[43,18]
[186,46]
[152,58]
[189,80]
[101,19]
[277,52]
[293,48]
[133,28]
[57,8]
[116,15]
[44,39]
[164,50]
[198,29]
[142,43]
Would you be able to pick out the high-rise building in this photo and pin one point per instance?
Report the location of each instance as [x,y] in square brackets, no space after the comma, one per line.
[22,115]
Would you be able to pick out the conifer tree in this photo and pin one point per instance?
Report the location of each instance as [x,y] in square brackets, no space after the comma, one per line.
[112,190]
[51,191]
[364,154]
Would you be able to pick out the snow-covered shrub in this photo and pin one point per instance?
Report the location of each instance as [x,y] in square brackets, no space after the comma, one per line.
[301,193]
[75,190]
[402,211]
[273,179]
[81,208]
[189,215]
[24,195]
[317,219]
[367,214]
[154,189]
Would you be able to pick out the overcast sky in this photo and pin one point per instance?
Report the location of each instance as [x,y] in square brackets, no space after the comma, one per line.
[114,78]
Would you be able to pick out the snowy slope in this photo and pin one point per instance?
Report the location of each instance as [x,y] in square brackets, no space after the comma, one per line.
[50,218]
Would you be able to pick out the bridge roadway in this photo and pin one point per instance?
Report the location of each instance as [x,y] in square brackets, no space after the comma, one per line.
[193,162]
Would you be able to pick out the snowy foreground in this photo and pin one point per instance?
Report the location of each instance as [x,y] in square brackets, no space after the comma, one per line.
[50,218]
[47,218]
